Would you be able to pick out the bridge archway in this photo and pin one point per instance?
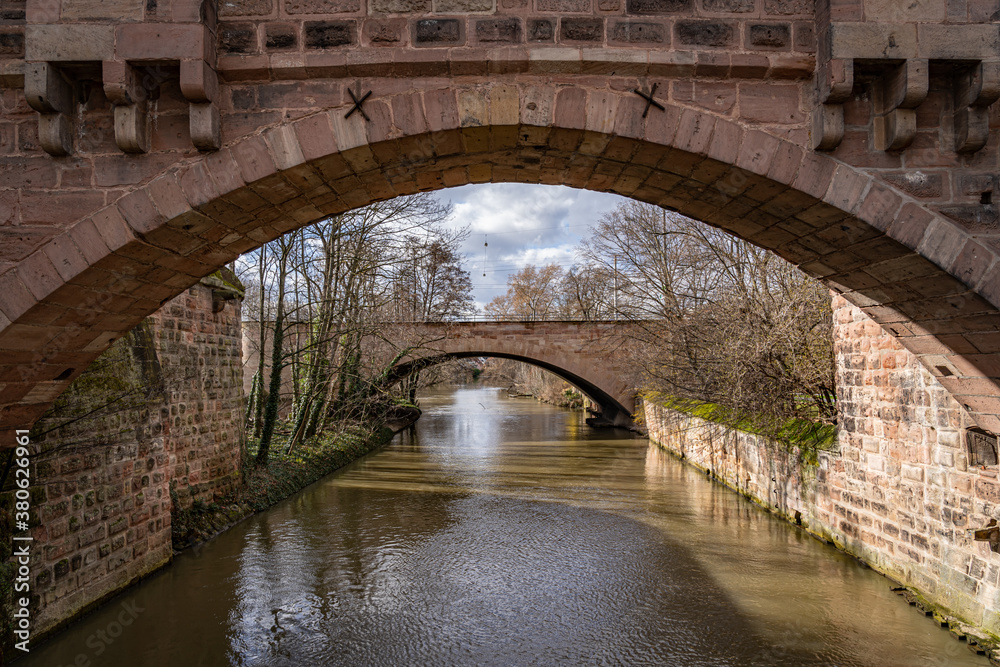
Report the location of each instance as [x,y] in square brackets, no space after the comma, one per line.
[581,353]
[613,411]
[926,280]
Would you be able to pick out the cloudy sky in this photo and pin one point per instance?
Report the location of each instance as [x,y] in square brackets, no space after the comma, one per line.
[523,224]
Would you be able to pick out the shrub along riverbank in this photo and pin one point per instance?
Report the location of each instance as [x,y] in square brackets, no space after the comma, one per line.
[284,475]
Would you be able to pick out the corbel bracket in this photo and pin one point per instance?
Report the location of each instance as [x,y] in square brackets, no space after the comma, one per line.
[124,89]
[835,83]
[200,87]
[51,95]
[898,93]
[975,91]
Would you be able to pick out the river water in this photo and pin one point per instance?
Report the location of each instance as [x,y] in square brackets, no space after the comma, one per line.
[502,531]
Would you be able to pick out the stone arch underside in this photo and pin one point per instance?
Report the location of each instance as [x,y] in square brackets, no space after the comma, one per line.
[923,278]
[616,403]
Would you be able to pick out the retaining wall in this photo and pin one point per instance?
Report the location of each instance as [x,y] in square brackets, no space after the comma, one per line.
[898,492]
[153,426]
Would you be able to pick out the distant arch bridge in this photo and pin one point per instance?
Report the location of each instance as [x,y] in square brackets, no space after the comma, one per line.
[584,353]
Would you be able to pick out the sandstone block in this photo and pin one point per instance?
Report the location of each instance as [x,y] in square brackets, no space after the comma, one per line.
[770,35]
[873,40]
[119,10]
[563,6]
[163,41]
[638,32]
[540,30]
[499,30]
[658,6]
[322,6]
[329,34]
[438,32]
[400,6]
[69,42]
[11,42]
[278,37]
[958,42]
[581,30]
[705,33]
[729,6]
[790,7]
[462,6]
[245,8]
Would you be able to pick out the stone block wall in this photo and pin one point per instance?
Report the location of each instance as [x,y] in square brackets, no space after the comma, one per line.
[260,28]
[899,492]
[762,470]
[200,352]
[902,494]
[152,426]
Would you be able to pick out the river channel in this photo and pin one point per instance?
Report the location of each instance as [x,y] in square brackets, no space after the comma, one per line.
[501,531]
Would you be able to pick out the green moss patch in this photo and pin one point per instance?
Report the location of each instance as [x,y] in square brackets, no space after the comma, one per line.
[802,433]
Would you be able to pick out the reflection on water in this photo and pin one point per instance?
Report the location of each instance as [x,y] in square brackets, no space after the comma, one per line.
[505,532]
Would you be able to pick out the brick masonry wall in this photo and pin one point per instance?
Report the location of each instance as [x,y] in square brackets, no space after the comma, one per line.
[262,27]
[201,356]
[168,435]
[749,464]
[899,493]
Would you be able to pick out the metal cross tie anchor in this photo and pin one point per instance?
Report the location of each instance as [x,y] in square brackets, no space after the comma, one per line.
[650,101]
[358,102]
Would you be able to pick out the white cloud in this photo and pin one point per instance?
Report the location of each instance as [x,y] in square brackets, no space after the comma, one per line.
[523,224]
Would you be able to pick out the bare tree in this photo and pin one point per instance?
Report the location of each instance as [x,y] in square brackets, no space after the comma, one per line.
[533,294]
[326,290]
[718,319]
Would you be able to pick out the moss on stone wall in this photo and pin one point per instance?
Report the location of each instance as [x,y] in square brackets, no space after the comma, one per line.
[802,433]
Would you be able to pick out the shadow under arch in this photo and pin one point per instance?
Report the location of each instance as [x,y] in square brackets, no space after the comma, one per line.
[885,251]
[613,411]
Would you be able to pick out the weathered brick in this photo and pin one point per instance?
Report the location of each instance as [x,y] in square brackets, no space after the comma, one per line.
[11,42]
[581,30]
[329,34]
[771,35]
[245,8]
[322,6]
[400,6]
[540,30]
[438,31]
[278,37]
[790,7]
[705,33]
[69,42]
[499,30]
[729,6]
[638,32]
[388,32]
[238,38]
[657,6]
[563,6]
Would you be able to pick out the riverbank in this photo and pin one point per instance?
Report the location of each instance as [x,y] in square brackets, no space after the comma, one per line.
[795,483]
[260,489]
[264,487]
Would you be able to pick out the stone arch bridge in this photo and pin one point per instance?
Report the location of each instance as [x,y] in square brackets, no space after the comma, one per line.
[143,145]
[585,354]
